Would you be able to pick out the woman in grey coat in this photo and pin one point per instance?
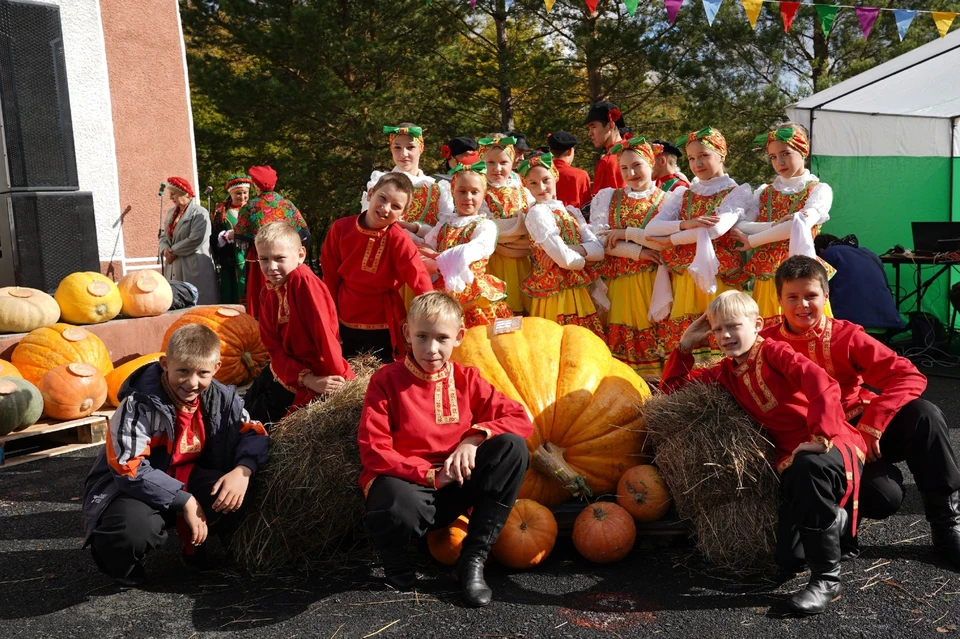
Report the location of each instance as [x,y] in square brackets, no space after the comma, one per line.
[185,242]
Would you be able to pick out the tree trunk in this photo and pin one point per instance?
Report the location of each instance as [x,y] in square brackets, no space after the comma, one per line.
[820,65]
[503,67]
[593,55]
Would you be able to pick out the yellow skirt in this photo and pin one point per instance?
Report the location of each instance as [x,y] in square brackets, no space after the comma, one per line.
[689,303]
[407,294]
[765,295]
[631,337]
[512,270]
[572,306]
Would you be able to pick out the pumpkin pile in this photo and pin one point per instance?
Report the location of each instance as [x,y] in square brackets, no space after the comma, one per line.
[242,354]
[45,348]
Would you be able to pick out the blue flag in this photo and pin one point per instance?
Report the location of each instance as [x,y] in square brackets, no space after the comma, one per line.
[904,17]
[711,7]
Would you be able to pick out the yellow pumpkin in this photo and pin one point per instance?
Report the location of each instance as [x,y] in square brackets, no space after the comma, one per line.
[24,309]
[145,294]
[585,405]
[46,348]
[119,375]
[88,298]
[9,370]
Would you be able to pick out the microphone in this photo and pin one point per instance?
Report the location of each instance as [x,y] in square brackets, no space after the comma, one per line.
[208,190]
[163,186]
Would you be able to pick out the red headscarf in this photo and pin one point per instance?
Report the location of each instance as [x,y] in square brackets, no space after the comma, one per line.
[264,177]
[181,185]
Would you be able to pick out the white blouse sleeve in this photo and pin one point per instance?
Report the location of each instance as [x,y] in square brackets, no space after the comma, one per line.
[731,210]
[454,263]
[600,210]
[667,219]
[775,233]
[628,250]
[544,232]
[817,206]
[372,182]
[588,239]
[445,206]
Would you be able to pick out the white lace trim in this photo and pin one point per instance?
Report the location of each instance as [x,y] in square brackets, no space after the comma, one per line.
[711,186]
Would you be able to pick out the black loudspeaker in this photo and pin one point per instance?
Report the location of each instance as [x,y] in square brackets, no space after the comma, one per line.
[55,234]
[37,127]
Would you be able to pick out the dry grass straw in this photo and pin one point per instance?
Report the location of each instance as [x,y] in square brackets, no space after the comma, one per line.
[718,466]
[308,497]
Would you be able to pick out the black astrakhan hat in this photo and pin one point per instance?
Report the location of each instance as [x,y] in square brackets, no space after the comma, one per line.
[605,112]
[561,141]
[668,148]
[456,146]
[521,144]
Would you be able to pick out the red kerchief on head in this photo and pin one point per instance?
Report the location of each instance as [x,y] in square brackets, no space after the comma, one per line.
[264,177]
[181,185]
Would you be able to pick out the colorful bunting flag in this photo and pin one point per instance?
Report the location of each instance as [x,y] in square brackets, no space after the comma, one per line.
[867,16]
[903,17]
[943,20]
[592,5]
[631,6]
[711,7]
[473,4]
[673,7]
[827,14]
[752,7]
[788,10]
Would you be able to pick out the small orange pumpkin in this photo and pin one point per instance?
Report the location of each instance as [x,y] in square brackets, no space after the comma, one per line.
[9,370]
[445,543]
[643,493]
[24,309]
[119,375]
[242,355]
[604,533]
[72,391]
[46,348]
[144,294]
[528,536]
[88,298]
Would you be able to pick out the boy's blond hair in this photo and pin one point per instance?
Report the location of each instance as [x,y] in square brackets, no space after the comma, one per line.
[278,233]
[731,303]
[433,306]
[195,345]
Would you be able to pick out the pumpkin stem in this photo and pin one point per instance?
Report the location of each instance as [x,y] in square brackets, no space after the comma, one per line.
[548,460]
[248,361]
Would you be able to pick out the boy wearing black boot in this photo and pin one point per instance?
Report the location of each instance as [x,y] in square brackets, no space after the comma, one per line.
[435,440]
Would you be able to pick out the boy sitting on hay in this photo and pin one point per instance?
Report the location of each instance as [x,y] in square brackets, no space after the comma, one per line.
[818,454]
[436,439]
[180,451]
[897,425]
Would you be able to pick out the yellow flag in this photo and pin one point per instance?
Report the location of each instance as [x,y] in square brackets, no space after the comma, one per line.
[549,4]
[943,19]
[752,7]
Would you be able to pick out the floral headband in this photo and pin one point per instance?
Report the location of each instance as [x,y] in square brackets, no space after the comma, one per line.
[708,137]
[789,135]
[544,159]
[414,132]
[501,141]
[638,144]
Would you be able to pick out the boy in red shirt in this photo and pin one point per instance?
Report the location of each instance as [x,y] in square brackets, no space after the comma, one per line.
[897,425]
[573,185]
[435,439]
[365,259]
[818,454]
[298,326]
[603,123]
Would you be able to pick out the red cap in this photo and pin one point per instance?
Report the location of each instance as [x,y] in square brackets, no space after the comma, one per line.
[181,185]
[264,177]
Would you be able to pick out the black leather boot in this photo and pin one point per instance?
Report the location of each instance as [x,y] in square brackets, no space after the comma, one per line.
[822,550]
[486,522]
[398,568]
[943,513]
[849,545]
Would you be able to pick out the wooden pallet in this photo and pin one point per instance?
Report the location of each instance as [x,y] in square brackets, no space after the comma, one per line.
[48,438]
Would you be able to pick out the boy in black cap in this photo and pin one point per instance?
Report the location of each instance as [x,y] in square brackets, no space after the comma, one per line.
[455,149]
[604,122]
[573,186]
[666,174]
[521,147]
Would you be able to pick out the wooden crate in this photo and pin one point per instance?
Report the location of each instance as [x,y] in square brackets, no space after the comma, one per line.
[50,437]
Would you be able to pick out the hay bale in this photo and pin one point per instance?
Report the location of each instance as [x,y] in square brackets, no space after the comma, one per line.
[307,497]
[719,468]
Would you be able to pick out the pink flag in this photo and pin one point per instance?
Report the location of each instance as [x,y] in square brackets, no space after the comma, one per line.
[867,16]
[673,7]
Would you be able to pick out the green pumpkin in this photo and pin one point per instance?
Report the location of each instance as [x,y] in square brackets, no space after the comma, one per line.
[21,404]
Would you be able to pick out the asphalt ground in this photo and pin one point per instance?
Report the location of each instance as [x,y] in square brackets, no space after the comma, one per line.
[49,586]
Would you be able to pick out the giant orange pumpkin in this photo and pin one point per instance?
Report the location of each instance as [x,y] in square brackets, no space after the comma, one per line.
[46,348]
[144,294]
[88,298]
[24,309]
[72,391]
[643,493]
[242,355]
[604,533]
[528,536]
[119,375]
[9,370]
[585,404]
[445,543]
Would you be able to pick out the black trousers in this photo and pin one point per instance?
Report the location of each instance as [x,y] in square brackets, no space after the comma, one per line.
[128,529]
[356,341]
[918,435]
[399,510]
[267,400]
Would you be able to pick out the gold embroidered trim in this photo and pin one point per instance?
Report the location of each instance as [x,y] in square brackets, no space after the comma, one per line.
[367,232]
[280,381]
[768,402]
[303,374]
[365,265]
[853,412]
[432,477]
[283,307]
[820,439]
[862,456]
[486,431]
[454,416]
[186,449]
[812,333]
[870,430]
[827,336]
[785,464]
[365,327]
[427,377]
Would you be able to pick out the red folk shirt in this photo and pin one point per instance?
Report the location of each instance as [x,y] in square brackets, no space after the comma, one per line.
[673,181]
[573,186]
[364,270]
[298,326]
[413,420]
[853,358]
[607,173]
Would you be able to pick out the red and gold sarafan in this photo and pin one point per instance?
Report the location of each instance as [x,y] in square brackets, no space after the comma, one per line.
[547,277]
[484,285]
[629,212]
[774,206]
[505,201]
[425,207]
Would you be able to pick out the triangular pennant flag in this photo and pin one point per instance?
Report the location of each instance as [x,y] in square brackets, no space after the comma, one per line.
[592,5]
[631,6]
[473,4]
[943,20]
[673,7]
[827,14]
[752,7]
[711,7]
[788,10]
[903,17]
[549,4]
[867,16]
